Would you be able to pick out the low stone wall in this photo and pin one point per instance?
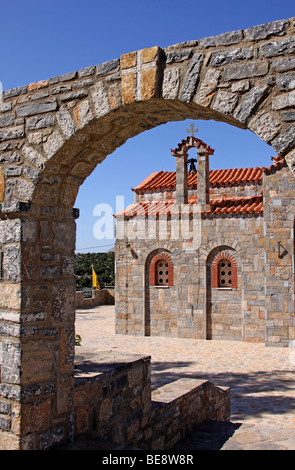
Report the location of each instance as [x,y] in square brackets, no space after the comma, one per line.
[112,397]
[99,297]
[113,401]
[181,406]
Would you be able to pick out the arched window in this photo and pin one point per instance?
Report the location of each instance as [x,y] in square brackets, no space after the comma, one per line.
[224,272]
[161,270]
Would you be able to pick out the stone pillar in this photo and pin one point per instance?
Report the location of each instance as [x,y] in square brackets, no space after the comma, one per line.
[203,178]
[37,313]
[181,179]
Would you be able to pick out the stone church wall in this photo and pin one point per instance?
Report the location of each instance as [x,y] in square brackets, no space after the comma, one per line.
[261,306]
[279,216]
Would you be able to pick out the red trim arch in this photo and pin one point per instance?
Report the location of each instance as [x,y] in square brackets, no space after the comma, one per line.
[214,269]
[152,268]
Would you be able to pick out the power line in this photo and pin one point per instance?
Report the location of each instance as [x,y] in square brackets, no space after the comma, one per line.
[92,247]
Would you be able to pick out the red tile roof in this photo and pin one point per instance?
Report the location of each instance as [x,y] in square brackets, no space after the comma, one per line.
[167,179]
[218,205]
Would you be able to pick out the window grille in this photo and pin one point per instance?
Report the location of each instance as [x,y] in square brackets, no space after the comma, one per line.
[162,271]
[225,273]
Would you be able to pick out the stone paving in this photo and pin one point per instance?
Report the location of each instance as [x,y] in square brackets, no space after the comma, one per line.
[261,380]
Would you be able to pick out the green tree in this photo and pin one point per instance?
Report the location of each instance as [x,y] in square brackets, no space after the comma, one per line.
[103,264]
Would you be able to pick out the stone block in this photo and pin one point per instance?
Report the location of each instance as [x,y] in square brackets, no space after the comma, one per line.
[286,81]
[178,55]
[73,95]
[115,98]
[86,71]
[83,113]
[225,102]
[36,108]
[276,48]
[36,416]
[11,362]
[5,424]
[191,78]
[265,126]
[246,70]
[53,143]
[61,89]
[37,361]
[264,31]
[128,60]
[252,99]
[63,236]
[62,78]
[230,56]
[33,156]
[284,65]
[24,190]
[108,68]
[63,301]
[40,122]
[15,91]
[66,123]
[288,116]
[6,120]
[5,107]
[52,437]
[284,141]
[10,231]
[149,84]
[224,39]
[150,54]
[11,133]
[100,99]
[12,263]
[283,101]
[171,83]
[31,173]
[242,85]
[128,87]
[208,87]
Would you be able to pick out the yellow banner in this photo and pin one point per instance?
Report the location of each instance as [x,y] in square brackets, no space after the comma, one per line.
[95,283]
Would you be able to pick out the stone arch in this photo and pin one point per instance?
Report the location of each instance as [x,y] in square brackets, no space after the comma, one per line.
[52,135]
[215,267]
[152,267]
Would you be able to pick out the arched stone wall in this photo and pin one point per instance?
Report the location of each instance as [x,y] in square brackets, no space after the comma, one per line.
[52,135]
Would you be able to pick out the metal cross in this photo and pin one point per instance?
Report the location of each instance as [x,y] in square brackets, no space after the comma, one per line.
[191,130]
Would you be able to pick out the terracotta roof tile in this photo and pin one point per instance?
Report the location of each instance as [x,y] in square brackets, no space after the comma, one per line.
[167,179]
[231,205]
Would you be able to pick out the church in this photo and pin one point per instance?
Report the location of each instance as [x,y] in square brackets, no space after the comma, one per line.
[208,254]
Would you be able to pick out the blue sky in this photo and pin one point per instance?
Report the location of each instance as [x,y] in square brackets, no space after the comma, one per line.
[40,40]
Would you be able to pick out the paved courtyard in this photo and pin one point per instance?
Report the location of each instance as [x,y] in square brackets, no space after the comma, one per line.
[261,379]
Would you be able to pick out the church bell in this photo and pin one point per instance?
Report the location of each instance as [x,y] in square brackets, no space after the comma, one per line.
[192,168]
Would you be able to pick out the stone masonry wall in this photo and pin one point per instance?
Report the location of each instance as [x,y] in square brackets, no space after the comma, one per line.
[243,189]
[113,397]
[113,400]
[260,308]
[191,308]
[100,297]
[279,216]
